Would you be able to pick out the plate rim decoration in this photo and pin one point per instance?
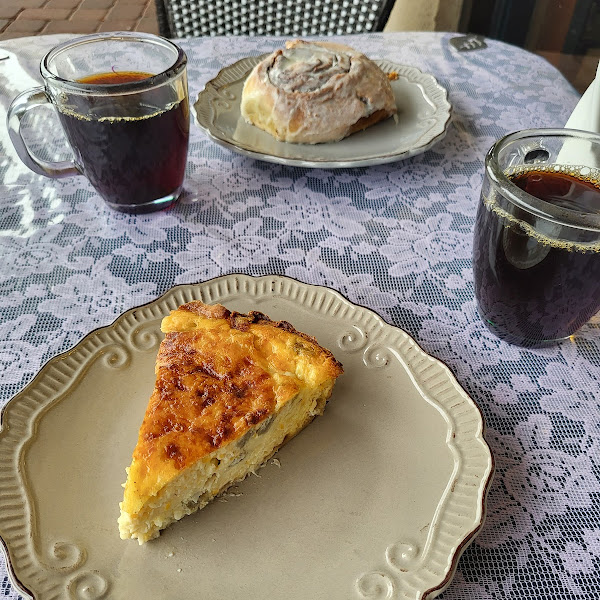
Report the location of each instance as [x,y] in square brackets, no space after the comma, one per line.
[217,94]
[459,511]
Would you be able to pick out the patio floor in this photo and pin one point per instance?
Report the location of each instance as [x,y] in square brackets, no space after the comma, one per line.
[19,18]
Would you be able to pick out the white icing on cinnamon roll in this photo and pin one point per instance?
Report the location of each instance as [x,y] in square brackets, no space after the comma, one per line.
[316,92]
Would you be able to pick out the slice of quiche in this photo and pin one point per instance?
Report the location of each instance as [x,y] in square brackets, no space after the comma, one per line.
[230,390]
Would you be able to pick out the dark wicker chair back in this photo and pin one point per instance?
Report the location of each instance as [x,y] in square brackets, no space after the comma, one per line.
[190,18]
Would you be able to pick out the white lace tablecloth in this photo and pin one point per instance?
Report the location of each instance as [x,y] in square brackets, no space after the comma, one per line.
[395,238]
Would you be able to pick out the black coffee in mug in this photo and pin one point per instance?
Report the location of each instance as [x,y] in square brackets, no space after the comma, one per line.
[122,100]
[536,246]
[130,150]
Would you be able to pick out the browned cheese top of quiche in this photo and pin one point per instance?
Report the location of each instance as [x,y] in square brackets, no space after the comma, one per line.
[218,374]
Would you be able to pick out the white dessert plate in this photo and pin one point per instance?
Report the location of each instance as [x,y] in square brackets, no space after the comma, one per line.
[422,120]
[375,499]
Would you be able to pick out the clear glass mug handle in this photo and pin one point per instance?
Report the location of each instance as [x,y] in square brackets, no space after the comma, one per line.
[20,105]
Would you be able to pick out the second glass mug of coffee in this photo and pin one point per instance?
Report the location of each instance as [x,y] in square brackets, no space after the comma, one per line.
[536,248]
[122,100]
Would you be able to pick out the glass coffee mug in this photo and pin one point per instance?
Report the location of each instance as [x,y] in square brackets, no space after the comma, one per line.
[536,247]
[122,100]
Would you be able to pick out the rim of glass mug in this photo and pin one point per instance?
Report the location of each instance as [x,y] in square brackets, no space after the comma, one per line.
[546,210]
[141,85]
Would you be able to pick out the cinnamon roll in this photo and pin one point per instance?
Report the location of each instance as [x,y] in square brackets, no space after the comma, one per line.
[314,92]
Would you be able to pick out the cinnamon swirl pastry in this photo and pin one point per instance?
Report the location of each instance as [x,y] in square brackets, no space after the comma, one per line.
[313,92]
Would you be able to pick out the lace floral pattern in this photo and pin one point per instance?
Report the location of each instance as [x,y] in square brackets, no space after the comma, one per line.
[396,238]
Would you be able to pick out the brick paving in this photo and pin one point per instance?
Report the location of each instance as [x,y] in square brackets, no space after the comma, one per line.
[19,18]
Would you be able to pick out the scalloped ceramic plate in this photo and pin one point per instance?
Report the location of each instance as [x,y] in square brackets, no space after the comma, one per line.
[376,499]
[422,120]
